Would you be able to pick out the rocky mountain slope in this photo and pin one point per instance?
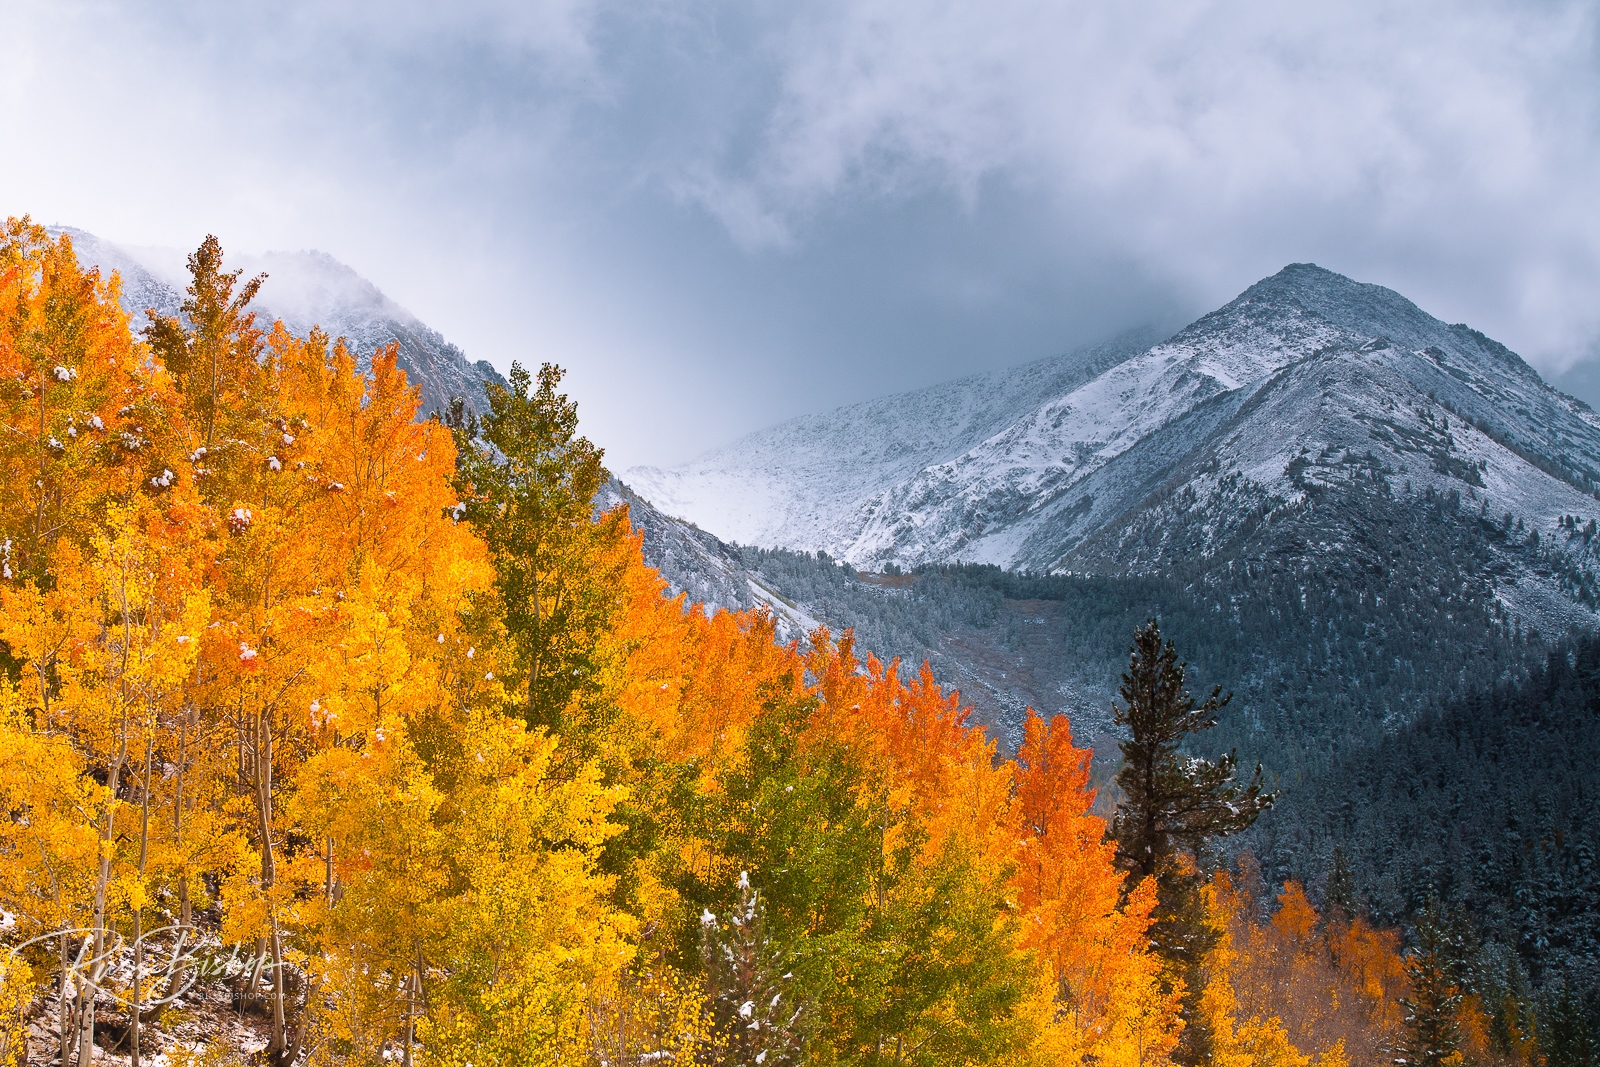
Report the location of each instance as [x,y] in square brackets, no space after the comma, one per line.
[304,289]
[788,485]
[706,570]
[1241,430]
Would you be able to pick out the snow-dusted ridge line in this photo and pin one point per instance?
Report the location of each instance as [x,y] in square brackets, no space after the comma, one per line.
[304,289]
[1054,465]
[788,484]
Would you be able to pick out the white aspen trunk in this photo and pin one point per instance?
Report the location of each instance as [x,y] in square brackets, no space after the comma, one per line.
[96,967]
[138,914]
[263,791]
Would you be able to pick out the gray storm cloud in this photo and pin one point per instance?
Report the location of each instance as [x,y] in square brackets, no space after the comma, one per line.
[1447,140]
[721,214]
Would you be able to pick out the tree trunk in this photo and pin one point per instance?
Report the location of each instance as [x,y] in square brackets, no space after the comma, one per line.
[138,914]
[184,907]
[96,966]
[66,1010]
[263,791]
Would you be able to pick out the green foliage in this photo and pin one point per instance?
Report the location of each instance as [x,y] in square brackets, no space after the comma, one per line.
[1487,801]
[1433,1029]
[526,481]
[1567,1032]
[754,1015]
[880,942]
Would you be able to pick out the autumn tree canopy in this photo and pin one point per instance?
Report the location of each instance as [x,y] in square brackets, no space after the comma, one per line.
[370,728]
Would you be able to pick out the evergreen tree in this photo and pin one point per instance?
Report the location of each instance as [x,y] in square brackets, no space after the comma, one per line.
[1173,804]
[751,1009]
[1433,1029]
[1342,896]
[1567,1035]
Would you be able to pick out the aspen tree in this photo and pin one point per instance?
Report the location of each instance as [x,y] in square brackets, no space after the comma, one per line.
[50,848]
[429,737]
[154,613]
[214,351]
[1070,893]
[527,484]
[73,402]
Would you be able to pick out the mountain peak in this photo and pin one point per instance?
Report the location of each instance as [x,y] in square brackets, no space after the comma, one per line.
[1302,370]
[1364,309]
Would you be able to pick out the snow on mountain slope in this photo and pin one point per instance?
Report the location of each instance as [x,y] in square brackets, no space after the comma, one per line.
[939,513]
[708,571]
[1424,404]
[1305,389]
[304,289]
[790,484]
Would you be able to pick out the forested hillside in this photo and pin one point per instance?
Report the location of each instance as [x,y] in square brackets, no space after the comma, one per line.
[332,735]
[1322,654]
[1441,748]
[1492,803]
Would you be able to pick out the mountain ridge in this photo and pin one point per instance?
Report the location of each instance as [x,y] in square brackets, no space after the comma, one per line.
[882,439]
[304,289]
[1342,507]
[1305,381]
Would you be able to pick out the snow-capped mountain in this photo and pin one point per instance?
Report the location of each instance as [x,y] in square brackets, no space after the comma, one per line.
[1307,383]
[790,484]
[304,289]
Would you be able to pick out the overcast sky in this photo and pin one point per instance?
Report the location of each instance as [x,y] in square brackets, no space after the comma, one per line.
[721,214]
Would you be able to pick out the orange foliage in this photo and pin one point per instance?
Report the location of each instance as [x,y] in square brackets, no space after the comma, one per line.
[1333,987]
[1069,894]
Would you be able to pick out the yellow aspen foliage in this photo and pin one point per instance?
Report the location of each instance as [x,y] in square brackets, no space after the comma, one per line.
[83,420]
[1238,1039]
[49,853]
[651,1013]
[1105,980]
[226,667]
[17,990]
[1141,1026]
[1332,986]
[104,650]
[523,930]
[50,846]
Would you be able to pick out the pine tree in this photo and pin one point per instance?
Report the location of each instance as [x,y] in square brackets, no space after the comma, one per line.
[1566,1037]
[1433,1030]
[1341,894]
[1173,805]
[1173,801]
[751,1009]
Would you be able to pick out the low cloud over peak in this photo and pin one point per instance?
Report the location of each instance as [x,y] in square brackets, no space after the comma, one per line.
[762,209]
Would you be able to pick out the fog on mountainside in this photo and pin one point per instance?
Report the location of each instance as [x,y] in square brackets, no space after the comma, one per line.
[304,289]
